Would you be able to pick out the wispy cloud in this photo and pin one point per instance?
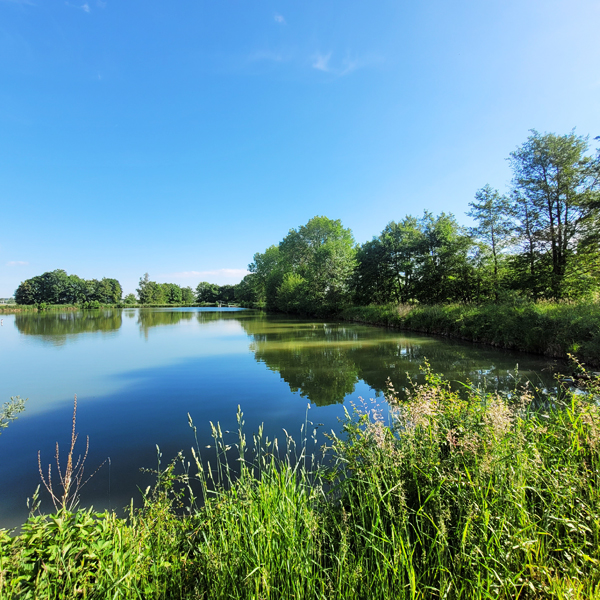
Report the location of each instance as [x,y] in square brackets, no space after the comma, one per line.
[19,2]
[231,273]
[85,7]
[339,68]
[101,4]
[16,263]
[280,19]
[321,62]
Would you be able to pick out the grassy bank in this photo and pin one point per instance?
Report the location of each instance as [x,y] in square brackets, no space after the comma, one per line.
[470,496]
[542,328]
[20,308]
[28,308]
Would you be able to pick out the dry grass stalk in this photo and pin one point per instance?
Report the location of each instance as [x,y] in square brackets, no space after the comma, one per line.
[71,481]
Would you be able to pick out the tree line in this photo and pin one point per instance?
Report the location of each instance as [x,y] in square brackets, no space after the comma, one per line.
[540,239]
[56,287]
[150,292]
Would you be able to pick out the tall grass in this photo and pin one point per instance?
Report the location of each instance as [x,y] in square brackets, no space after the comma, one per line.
[549,328]
[446,495]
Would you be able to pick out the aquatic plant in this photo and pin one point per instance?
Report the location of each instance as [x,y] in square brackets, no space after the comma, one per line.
[447,494]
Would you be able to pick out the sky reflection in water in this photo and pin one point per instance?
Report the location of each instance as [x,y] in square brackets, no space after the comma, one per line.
[138,372]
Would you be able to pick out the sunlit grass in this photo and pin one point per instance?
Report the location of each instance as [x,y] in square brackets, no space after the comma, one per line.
[549,328]
[447,495]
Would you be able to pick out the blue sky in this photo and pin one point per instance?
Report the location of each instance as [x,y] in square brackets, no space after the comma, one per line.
[180,137]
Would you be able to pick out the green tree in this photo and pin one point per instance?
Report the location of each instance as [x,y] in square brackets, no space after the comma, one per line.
[370,281]
[26,293]
[207,292]
[322,253]
[401,242]
[226,294]
[187,295]
[56,287]
[150,292]
[267,274]
[444,271]
[245,290]
[557,187]
[495,227]
[171,293]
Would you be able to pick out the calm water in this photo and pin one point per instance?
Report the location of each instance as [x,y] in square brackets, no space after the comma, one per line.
[137,373]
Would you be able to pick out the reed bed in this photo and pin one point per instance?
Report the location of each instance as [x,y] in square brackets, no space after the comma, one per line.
[554,329]
[445,494]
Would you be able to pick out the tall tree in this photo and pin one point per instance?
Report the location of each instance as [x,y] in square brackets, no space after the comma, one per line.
[207,292]
[321,256]
[187,295]
[444,269]
[150,292]
[492,211]
[267,275]
[556,182]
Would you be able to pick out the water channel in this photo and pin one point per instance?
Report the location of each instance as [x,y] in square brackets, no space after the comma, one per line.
[138,372]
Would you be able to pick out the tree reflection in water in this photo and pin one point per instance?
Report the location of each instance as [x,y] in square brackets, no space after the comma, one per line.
[55,328]
[325,360]
[322,360]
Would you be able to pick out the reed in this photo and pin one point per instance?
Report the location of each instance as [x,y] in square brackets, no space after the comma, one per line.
[554,329]
[448,494]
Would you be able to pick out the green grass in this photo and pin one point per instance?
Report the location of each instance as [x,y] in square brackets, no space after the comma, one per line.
[552,329]
[19,308]
[451,495]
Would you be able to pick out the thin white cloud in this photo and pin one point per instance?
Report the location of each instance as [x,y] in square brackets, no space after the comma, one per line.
[85,7]
[280,19]
[321,62]
[215,273]
[101,4]
[16,263]
[20,2]
[324,62]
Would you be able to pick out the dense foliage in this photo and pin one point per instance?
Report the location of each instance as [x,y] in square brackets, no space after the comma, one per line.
[211,293]
[310,271]
[539,241]
[56,287]
[454,495]
[544,327]
[150,292]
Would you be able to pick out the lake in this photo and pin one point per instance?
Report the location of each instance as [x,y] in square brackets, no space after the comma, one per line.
[138,372]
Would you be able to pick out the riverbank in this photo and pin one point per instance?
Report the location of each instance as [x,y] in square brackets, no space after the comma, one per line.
[470,496]
[550,329]
[20,308]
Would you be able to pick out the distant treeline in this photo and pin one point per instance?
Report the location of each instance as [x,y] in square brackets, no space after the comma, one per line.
[150,292]
[56,287]
[540,240]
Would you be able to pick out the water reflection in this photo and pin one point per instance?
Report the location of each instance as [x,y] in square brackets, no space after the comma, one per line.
[323,361]
[56,328]
[148,318]
[144,370]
